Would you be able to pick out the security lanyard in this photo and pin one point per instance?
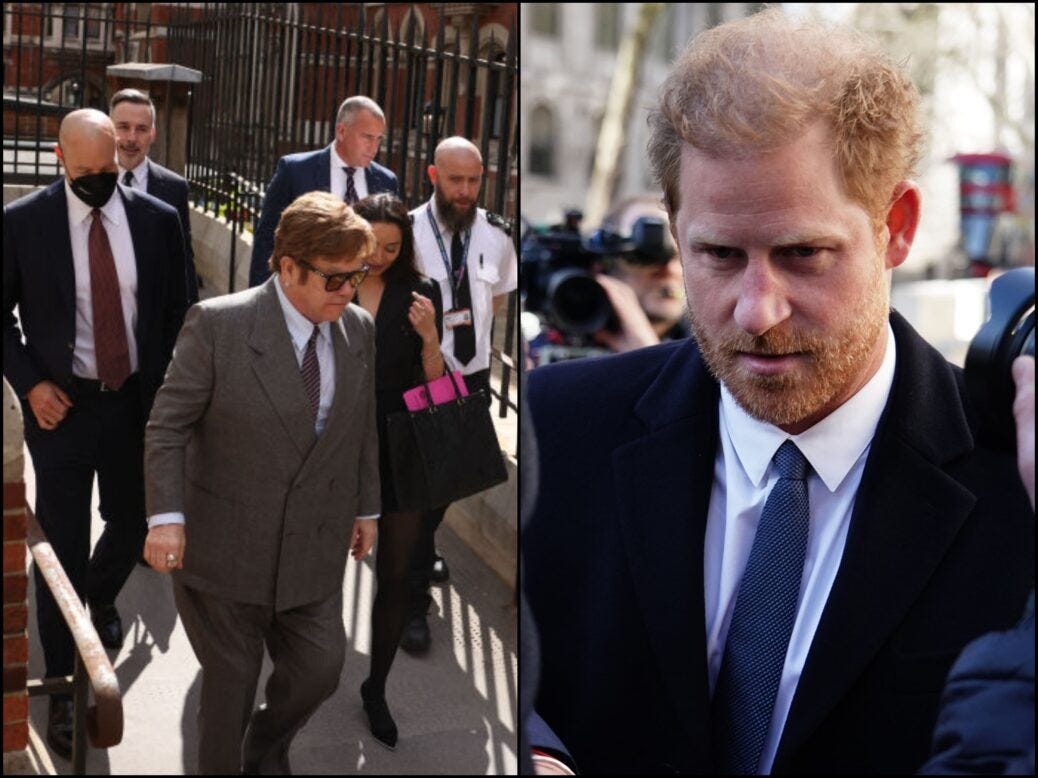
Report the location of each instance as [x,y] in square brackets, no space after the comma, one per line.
[454,280]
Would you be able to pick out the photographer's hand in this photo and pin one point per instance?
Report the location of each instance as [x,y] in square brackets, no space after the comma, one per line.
[635,329]
[1023,410]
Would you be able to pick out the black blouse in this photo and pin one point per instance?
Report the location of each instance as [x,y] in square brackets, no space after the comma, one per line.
[398,348]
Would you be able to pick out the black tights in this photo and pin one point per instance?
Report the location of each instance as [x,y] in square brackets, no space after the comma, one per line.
[397,540]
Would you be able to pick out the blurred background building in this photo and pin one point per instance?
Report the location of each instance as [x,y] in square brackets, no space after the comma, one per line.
[972,63]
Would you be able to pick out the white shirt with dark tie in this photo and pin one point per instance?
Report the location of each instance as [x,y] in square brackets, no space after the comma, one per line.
[836,447]
[338,178]
[140,176]
[116,224]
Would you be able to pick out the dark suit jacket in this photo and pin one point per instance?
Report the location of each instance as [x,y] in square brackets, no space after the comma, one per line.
[940,549]
[40,279]
[986,725]
[171,188]
[296,175]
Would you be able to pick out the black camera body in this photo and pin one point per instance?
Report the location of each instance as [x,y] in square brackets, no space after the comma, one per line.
[1007,334]
[557,270]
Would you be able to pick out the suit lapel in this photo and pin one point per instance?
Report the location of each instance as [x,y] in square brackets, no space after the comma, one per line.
[322,172]
[277,369]
[349,371]
[372,179]
[140,236]
[60,251]
[665,480]
[906,514]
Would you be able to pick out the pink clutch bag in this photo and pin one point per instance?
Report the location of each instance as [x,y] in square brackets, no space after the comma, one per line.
[442,390]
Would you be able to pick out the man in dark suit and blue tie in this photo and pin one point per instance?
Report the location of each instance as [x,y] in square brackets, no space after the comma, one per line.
[346,167]
[133,115]
[761,549]
[96,272]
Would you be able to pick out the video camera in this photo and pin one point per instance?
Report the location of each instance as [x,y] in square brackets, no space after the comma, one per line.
[1007,334]
[558,269]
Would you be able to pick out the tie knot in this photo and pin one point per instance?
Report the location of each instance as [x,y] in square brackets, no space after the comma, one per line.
[313,336]
[128,178]
[349,170]
[790,462]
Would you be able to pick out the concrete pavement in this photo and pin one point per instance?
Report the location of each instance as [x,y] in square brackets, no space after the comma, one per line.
[455,708]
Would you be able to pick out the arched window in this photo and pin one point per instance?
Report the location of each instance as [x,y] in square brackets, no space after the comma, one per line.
[542,141]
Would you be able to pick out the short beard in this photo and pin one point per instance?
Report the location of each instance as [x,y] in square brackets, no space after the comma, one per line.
[833,362]
[455,220]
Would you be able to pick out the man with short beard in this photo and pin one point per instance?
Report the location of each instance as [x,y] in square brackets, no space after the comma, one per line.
[760,550]
[469,252]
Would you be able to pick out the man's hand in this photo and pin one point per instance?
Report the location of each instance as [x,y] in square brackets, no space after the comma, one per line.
[363,538]
[163,540]
[635,329]
[1023,410]
[49,404]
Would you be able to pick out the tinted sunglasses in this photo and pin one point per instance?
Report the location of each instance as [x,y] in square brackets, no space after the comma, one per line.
[335,281]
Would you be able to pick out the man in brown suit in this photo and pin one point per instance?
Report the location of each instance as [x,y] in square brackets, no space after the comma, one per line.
[260,453]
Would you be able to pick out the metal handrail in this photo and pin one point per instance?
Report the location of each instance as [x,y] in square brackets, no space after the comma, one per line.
[103,721]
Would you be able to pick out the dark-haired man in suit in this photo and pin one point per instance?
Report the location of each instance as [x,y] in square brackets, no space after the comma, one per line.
[133,114]
[346,167]
[96,271]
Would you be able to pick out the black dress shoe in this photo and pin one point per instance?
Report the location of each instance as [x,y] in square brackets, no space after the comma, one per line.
[108,625]
[416,638]
[439,572]
[380,722]
[59,726]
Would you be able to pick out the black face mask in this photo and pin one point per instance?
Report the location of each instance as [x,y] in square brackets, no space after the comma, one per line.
[95,189]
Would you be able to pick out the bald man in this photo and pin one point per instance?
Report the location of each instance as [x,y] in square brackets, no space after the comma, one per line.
[470,254]
[97,273]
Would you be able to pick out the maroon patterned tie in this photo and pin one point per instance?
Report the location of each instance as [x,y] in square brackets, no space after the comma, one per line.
[312,372]
[110,348]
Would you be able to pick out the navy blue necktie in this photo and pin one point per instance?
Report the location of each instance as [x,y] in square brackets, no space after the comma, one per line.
[765,609]
[351,190]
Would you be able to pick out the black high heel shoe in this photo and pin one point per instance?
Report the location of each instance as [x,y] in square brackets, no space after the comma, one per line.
[380,722]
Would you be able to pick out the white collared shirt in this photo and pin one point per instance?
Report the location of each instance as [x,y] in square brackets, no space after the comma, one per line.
[837,448]
[140,175]
[113,217]
[338,180]
[492,271]
[300,329]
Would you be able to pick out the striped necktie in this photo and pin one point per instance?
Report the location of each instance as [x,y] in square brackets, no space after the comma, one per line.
[311,371]
[351,190]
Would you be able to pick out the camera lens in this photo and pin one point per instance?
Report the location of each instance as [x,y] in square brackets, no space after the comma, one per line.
[577,302]
[989,362]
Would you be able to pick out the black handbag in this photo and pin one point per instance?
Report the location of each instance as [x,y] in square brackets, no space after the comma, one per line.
[444,452]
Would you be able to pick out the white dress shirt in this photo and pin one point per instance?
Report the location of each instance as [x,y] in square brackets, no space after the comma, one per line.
[837,448]
[140,175]
[492,271]
[338,179]
[300,329]
[113,217]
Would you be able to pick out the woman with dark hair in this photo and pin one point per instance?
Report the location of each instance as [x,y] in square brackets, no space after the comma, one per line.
[408,312]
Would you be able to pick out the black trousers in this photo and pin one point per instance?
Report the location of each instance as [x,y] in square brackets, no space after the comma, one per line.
[102,433]
[425,552]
